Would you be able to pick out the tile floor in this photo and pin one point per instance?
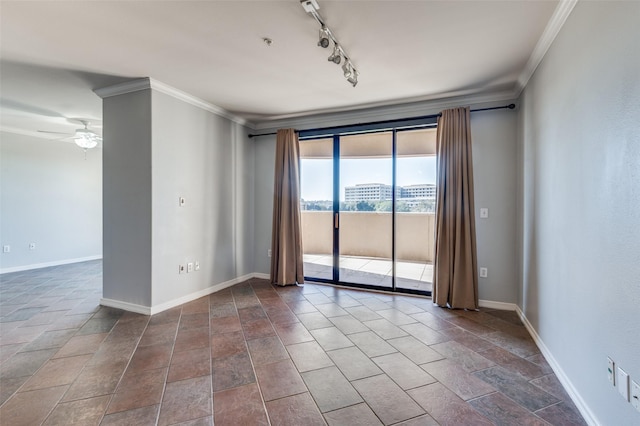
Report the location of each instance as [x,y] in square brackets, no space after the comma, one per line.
[254,354]
[371,271]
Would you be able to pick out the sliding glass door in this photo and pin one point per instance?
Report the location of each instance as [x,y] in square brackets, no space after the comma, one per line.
[317,207]
[368,203]
[366,220]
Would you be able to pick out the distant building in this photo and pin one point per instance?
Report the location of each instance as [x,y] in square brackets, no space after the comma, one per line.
[381,192]
[368,192]
[423,190]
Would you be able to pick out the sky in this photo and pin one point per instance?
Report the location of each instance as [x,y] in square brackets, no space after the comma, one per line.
[316,174]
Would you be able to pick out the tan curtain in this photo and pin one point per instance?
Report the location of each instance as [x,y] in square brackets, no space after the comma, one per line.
[455,282]
[286,237]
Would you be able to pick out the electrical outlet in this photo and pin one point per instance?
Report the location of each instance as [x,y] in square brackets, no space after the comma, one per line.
[189,267]
[269,253]
[611,371]
[181,269]
[635,395]
[32,246]
[484,273]
[6,249]
[197,266]
[623,383]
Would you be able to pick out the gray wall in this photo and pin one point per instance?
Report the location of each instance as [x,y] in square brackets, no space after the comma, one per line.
[495,183]
[50,195]
[579,151]
[494,160]
[159,150]
[265,159]
[127,198]
[208,160]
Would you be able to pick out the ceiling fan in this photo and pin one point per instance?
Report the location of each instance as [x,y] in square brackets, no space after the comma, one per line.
[84,138]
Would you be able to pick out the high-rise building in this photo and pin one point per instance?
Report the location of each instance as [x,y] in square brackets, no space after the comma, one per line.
[368,192]
[381,192]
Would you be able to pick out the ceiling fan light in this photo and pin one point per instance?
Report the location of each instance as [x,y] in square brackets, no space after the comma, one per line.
[86,142]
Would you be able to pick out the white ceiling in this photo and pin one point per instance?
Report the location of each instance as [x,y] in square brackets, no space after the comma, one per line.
[54,53]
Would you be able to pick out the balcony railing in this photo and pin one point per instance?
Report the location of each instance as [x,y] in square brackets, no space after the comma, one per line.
[365,248]
[369,234]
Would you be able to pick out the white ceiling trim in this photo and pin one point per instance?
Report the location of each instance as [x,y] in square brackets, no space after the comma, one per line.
[560,15]
[388,112]
[150,83]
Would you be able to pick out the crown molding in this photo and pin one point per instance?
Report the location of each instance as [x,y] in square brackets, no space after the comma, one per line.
[386,112]
[158,86]
[555,24]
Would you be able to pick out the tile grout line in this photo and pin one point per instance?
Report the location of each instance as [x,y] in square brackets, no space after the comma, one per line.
[246,344]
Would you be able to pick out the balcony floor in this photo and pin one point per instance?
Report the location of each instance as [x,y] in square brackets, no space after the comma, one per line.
[371,271]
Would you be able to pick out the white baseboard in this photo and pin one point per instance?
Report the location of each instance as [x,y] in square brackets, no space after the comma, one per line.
[198,294]
[48,264]
[261,276]
[560,374]
[152,310]
[503,306]
[125,306]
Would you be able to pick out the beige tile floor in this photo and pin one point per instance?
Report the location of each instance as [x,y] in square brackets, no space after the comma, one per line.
[375,271]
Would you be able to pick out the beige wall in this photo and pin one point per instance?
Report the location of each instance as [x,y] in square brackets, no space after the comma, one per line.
[368,234]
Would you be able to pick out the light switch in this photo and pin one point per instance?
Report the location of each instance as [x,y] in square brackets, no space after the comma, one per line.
[484,213]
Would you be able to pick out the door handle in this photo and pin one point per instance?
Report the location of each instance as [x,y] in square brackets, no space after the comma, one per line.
[336,221]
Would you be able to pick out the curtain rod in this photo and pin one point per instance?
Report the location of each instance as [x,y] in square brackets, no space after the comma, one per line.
[510,106]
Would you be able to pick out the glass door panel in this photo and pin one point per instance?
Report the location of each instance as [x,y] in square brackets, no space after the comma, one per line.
[365,219]
[415,209]
[316,207]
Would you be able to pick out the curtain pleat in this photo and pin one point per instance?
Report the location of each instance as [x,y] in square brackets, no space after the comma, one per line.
[286,238]
[455,283]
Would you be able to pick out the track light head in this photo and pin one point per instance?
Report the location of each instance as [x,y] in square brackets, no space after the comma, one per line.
[336,56]
[324,38]
[347,70]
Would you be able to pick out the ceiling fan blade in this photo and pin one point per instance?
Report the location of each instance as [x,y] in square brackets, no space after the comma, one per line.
[55,133]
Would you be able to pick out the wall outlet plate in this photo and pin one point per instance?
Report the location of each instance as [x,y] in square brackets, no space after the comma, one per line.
[635,395]
[197,266]
[623,383]
[484,273]
[611,371]
[189,267]
[181,201]
[32,246]
[181,269]
[6,249]
[484,213]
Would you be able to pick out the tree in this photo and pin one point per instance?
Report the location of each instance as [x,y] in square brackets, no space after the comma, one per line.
[364,206]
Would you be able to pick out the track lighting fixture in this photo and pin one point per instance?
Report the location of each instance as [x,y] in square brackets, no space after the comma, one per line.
[336,56]
[324,39]
[350,73]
